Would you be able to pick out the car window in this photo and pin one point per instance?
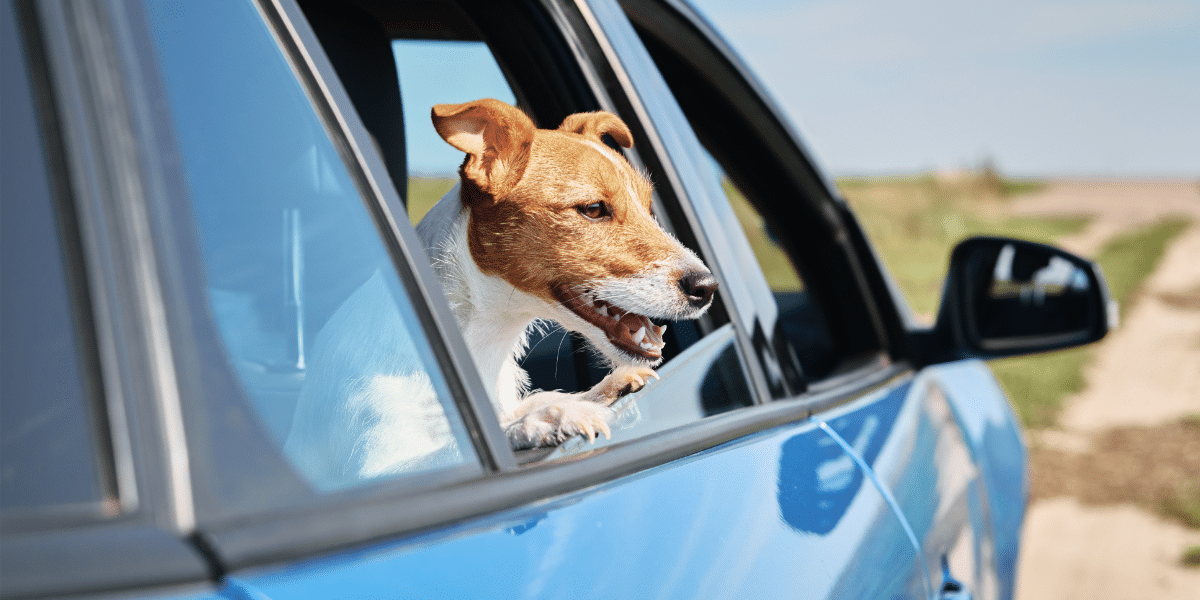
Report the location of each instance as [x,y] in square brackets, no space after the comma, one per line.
[500,51]
[801,326]
[311,313]
[53,459]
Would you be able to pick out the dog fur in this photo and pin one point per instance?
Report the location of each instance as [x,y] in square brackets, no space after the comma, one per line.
[555,225]
[544,225]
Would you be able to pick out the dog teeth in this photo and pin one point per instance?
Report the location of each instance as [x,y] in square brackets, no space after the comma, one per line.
[645,346]
[603,310]
[640,335]
[661,329]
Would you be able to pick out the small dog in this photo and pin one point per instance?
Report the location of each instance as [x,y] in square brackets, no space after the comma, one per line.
[544,225]
[555,225]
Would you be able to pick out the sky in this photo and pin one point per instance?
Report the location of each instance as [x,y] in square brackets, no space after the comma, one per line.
[880,87]
[1038,87]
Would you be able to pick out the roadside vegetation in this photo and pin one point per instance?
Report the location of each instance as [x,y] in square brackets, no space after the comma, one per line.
[915,222]
[424,192]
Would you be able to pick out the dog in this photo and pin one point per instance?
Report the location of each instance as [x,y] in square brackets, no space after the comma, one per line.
[544,225]
[555,225]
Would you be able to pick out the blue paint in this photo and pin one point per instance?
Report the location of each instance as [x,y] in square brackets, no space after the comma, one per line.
[883,490]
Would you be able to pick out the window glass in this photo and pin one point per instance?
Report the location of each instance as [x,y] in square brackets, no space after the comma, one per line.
[764,241]
[800,322]
[311,312]
[50,452]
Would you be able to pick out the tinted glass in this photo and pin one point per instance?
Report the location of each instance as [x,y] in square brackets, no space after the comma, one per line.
[49,452]
[312,315]
[800,322]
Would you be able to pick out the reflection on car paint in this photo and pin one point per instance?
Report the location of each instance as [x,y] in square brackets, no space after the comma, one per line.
[731,521]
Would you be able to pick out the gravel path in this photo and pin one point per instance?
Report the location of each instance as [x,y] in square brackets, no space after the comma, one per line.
[1146,373]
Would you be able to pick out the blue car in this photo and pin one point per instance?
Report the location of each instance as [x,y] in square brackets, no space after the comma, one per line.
[191,190]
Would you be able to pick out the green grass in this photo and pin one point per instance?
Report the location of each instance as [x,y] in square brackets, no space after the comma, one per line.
[915,222]
[1190,556]
[775,265]
[1183,503]
[1191,420]
[1038,384]
[1016,187]
[1131,256]
[424,192]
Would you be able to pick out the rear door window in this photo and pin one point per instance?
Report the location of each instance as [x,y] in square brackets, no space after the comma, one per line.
[311,314]
[495,52]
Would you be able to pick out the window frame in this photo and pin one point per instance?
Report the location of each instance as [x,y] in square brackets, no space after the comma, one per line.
[208,390]
[31,87]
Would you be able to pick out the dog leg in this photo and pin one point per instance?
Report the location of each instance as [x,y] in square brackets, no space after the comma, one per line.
[551,418]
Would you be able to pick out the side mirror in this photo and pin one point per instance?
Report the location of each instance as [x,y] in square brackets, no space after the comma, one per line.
[1005,297]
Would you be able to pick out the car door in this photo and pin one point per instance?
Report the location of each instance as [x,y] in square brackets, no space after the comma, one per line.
[695,497]
[256,195]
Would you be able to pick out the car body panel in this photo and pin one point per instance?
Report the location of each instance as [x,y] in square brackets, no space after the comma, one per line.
[780,513]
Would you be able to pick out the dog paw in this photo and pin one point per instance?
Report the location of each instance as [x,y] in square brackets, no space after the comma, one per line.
[622,382]
[557,422]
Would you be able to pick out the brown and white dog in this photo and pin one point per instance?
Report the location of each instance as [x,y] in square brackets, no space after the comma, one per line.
[544,225]
[554,224]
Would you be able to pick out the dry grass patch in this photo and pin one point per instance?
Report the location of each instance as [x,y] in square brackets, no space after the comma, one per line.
[1157,468]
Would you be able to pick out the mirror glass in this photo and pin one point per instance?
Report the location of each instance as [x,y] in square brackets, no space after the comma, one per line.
[1020,294]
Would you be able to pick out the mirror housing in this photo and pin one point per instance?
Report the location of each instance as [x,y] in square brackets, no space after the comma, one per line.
[1006,297]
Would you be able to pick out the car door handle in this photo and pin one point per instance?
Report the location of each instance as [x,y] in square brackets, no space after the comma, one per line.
[952,589]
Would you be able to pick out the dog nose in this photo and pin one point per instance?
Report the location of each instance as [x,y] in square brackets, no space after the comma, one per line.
[699,287]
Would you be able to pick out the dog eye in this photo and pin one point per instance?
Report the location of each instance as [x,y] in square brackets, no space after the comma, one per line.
[595,210]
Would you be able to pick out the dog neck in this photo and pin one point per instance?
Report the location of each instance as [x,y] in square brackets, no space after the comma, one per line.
[493,315]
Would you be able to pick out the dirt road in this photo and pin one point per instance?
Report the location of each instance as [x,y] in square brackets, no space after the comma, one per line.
[1147,373]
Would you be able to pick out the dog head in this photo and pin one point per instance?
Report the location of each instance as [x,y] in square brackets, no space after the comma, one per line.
[566,219]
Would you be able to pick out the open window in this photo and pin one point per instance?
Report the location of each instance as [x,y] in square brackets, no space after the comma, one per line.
[450,52]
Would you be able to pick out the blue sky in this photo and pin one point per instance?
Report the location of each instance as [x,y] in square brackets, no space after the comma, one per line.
[1043,87]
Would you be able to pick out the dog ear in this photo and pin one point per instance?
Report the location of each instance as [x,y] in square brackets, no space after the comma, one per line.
[596,124]
[496,138]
